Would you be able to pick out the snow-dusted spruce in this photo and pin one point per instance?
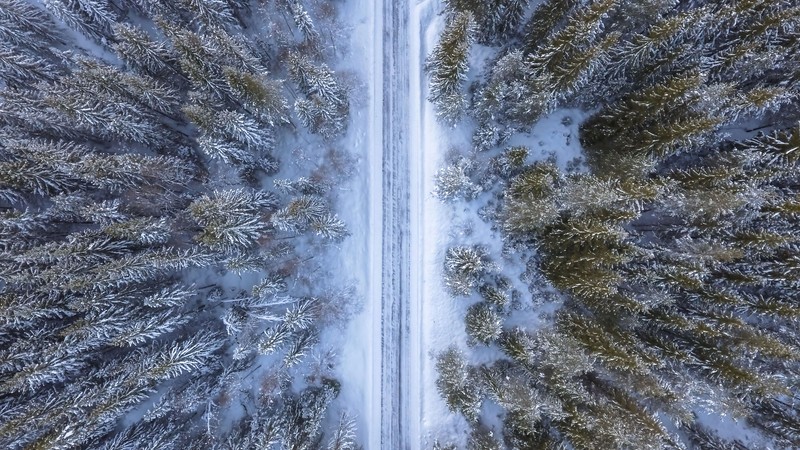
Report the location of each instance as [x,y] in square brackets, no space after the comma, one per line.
[495,19]
[483,323]
[325,108]
[447,67]
[673,251]
[231,219]
[454,182]
[464,268]
[459,384]
[131,181]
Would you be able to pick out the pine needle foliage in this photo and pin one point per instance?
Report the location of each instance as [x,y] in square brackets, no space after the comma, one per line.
[134,139]
[666,267]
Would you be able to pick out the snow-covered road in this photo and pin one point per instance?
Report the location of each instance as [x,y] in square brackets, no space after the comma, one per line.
[390,247]
[397,196]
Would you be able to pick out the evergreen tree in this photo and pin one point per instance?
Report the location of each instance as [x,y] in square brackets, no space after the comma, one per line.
[302,20]
[262,97]
[325,108]
[210,12]
[231,219]
[453,182]
[447,66]
[546,17]
[458,384]
[18,68]
[464,267]
[303,416]
[496,19]
[23,24]
[483,324]
[481,439]
[344,437]
[90,17]
[562,64]
[512,93]
[137,49]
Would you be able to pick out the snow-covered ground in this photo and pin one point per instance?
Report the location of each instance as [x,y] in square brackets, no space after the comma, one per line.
[358,349]
[427,226]
[437,321]
[435,225]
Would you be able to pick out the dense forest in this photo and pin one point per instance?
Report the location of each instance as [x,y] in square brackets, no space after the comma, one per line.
[152,151]
[669,252]
[171,176]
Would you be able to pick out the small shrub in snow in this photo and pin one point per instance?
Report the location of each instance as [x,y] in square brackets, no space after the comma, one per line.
[469,261]
[453,182]
[463,268]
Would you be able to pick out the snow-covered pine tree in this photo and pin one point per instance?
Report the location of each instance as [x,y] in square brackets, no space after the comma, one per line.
[481,438]
[263,97]
[210,12]
[232,49]
[464,266]
[302,416]
[302,19]
[483,324]
[112,85]
[656,121]
[231,219]
[458,384]
[23,24]
[545,18]
[325,108]
[90,111]
[344,437]
[196,59]
[93,18]
[637,54]
[496,19]
[447,65]
[140,51]
[562,64]
[18,68]
[453,181]
[507,97]
[531,204]
[309,212]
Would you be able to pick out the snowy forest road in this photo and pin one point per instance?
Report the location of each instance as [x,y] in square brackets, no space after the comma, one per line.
[395,233]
